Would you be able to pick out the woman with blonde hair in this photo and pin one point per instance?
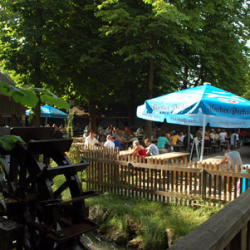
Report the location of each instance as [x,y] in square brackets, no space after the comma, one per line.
[139,150]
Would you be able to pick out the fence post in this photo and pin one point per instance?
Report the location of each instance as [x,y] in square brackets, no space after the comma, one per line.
[129,168]
[203,183]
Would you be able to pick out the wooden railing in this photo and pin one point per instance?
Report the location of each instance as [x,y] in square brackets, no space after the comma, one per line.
[227,229]
[171,181]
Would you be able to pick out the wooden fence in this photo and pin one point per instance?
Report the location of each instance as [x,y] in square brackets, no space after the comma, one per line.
[227,229]
[169,181]
[178,181]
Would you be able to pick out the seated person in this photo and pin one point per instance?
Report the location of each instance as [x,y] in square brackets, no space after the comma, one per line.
[234,138]
[181,136]
[108,130]
[207,140]
[109,143]
[232,157]
[119,137]
[126,135]
[223,136]
[115,132]
[151,148]
[138,150]
[175,138]
[214,137]
[117,143]
[62,128]
[86,133]
[162,141]
[128,131]
[101,137]
[57,133]
[91,140]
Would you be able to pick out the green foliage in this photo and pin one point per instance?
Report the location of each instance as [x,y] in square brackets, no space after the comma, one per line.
[100,52]
[153,217]
[48,97]
[24,97]
[29,96]
[69,123]
[8,142]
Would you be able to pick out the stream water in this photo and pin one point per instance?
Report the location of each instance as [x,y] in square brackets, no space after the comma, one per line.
[96,243]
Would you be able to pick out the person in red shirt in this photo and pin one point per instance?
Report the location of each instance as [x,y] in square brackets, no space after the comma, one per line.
[139,150]
[128,131]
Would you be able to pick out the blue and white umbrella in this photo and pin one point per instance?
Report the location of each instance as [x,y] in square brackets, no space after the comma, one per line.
[197,107]
[49,111]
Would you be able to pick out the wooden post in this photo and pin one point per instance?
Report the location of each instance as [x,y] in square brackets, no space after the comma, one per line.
[204,183]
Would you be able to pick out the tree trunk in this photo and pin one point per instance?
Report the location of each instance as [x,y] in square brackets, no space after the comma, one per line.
[37,80]
[92,117]
[148,126]
[36,120]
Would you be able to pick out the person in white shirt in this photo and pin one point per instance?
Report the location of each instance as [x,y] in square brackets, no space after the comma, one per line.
[232,157]
[214,136]
[151,148]
[182,136]
[109,143]
[91,140]
[234,138]
[223,136]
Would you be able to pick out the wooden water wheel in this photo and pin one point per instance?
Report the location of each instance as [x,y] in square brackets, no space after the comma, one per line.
[32,201]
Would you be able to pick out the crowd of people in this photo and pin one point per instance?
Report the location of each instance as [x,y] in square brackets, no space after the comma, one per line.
[161,141]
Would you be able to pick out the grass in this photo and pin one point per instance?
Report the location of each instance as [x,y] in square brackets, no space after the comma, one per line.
[153,217]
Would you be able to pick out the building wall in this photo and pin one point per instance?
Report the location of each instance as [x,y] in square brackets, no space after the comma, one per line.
[11,113]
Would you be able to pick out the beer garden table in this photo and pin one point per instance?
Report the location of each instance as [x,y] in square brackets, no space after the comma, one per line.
[126,152]
[214,160]
[169,156]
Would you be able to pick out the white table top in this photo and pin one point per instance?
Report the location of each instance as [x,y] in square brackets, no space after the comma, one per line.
[214,160]
[169,155]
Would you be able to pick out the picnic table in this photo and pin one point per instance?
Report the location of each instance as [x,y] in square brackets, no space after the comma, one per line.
[169,156]
[214,160]
[126,152]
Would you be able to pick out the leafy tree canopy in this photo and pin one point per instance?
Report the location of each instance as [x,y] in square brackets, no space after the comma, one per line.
[102,52]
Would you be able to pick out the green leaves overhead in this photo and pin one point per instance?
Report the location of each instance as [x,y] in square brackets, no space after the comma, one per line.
[29,97]
[48,97]
[25,97]
[8,142]
[101,51]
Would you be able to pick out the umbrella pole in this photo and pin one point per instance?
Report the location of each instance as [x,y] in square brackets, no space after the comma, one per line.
[46,121]
[188,138]
[203,136]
